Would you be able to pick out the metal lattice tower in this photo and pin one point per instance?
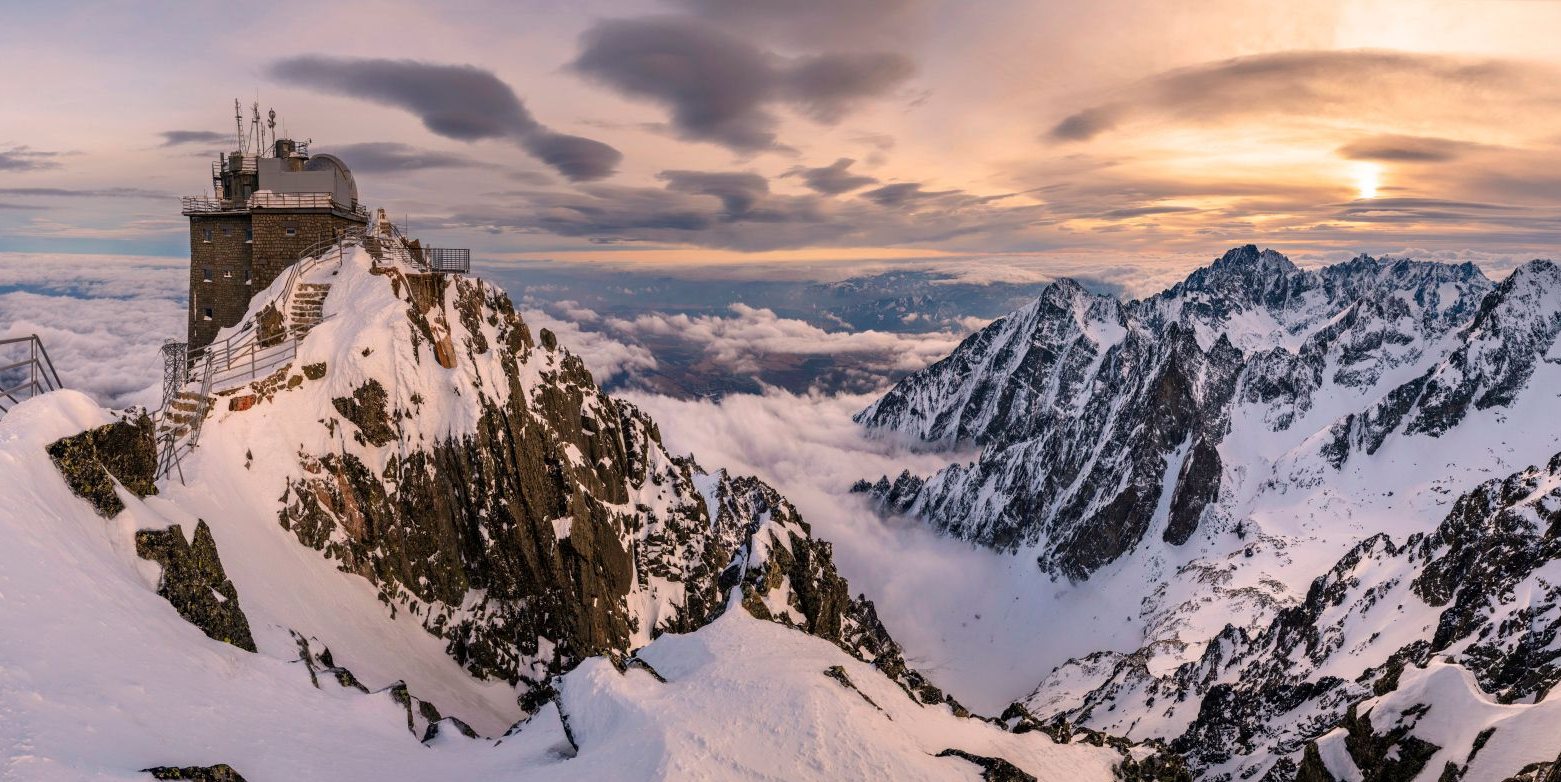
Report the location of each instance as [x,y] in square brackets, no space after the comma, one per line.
[176,368]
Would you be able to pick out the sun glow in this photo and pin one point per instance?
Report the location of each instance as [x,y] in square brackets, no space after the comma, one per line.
[1367,177]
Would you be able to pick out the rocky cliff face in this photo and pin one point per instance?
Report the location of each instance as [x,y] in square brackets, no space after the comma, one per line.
[1094,414]
[427,441]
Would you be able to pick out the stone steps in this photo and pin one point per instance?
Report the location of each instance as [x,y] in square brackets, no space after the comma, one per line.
[308,307]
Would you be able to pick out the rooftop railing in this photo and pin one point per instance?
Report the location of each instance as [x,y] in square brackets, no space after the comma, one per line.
[266,199]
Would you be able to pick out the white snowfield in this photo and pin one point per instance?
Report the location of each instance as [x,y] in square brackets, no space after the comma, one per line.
[1519,734]
[100,677]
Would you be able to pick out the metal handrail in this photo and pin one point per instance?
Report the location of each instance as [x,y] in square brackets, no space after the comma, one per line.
[41,375]
[241,356]
[246,342]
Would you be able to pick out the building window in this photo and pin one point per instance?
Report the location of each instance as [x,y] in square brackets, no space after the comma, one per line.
[227,273]
[207,235]
[247,279]
[206,314]
[205,275]
[227,230]
[249,235]
[290,231]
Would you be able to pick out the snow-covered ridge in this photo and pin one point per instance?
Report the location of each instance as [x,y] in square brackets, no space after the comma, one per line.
[437,529]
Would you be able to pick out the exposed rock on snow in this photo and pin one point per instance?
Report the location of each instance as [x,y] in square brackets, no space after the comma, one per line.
[194,583]
[1091,409]
[93,461]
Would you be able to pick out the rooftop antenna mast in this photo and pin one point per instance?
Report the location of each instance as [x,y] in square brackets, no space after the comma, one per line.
[238,125]
[271,123]
[255,131]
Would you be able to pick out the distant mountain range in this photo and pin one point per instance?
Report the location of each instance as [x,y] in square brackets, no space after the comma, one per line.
[1316,480]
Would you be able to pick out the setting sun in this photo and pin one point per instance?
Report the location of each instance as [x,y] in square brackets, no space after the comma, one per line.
[1367,177]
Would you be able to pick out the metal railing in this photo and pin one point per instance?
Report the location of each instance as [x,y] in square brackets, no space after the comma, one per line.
[248,354]
[438,260]
[171,448]
[447,260]
[244,356]
[266,199]
[28,377]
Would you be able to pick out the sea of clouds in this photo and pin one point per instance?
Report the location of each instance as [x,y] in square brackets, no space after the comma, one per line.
[102,319]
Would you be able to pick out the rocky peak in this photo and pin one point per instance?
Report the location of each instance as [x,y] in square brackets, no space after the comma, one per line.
[1244,275]
[481,481]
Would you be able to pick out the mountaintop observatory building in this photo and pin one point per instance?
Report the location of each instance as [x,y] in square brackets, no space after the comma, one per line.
[270,202]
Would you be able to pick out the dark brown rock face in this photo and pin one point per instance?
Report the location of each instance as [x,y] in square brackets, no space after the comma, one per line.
[557,527]
[91,462]
[193,581]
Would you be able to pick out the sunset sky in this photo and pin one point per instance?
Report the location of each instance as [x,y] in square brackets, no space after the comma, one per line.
[689,130]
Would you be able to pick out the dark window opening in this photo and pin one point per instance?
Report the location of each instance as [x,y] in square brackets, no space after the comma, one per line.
[206,275]
[206,314]
[290,231]
[208,235]
[249,235]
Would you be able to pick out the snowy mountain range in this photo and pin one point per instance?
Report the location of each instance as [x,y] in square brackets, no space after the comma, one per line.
[1330,490]
[430,546]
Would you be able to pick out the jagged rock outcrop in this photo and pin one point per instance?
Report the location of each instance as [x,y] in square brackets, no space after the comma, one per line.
[221,772]
[193,581]
[93,461]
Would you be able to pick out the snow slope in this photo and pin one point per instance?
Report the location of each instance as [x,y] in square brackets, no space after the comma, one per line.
[101,677]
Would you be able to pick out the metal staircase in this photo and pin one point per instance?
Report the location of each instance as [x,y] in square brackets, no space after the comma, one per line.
[255,351]
[258,350]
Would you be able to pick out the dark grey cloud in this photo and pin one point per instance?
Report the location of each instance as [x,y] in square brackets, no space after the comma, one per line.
[1087,124]
[827,86]
[374,156]
[462,102]
[737,191]
[833,179]
[26,158]
[737,211]
[1311,83]
[904,193]
[21,207]
[810,23]
[173,138]
[536,178]
[1408,149]
[722,88]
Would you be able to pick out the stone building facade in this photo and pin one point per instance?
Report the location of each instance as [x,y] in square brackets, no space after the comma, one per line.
[265,211]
